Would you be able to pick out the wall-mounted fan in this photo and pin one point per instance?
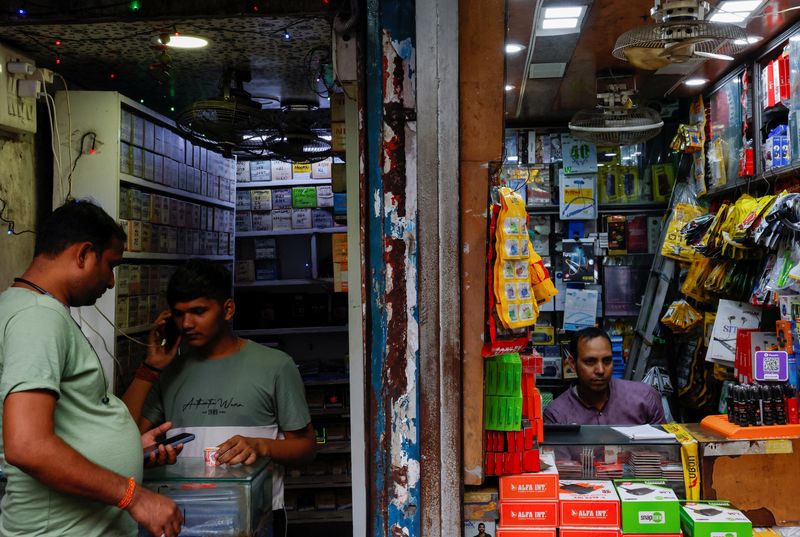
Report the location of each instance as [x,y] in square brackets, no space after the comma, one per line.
[616,120]
[680,34]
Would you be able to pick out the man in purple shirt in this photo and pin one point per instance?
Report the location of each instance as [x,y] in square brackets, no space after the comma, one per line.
[597,399]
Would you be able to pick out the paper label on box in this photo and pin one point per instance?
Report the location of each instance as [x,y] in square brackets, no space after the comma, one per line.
[304,197]
[261,200]
[301,219]
[301,171]
[324,196]
[281,171]
[282,198]
[260,170]
[281,220]
[322,169]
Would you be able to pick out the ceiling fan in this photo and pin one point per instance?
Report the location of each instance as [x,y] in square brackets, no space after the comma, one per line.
[679,35]
[616,120]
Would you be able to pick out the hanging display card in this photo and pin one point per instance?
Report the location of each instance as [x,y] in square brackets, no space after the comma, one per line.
[577,197]
[578,156]
[580,308]
[731,316]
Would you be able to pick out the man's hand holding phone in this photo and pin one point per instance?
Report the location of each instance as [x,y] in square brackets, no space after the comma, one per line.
[159,453]
[164,341]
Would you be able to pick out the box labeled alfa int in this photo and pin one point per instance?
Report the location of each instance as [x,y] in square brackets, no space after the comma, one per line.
[714,519]
[542,485]
[543,514]
[526,532]
[589,532]
[588,503]
[648,506]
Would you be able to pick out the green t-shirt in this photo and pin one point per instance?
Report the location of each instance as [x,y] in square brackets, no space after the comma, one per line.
[42,348]
[257,386]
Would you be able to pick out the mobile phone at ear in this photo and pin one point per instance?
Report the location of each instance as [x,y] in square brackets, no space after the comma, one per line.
[182,438]
[171,333]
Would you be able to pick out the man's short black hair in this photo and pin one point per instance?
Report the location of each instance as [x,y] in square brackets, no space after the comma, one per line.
[199,278]
[77,221]
[584,334]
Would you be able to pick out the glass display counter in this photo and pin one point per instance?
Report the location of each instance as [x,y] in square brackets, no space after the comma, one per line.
[215,500]
[600,452]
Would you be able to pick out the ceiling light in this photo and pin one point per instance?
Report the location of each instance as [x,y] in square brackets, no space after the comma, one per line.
[692,82]
[186,41]
[513,48]
[732,18]
[737,6]
[559,24]
[713,55]
[509,87]
[563,12]
[610,155]
[749,41]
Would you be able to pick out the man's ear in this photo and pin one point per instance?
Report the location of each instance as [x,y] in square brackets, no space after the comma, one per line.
[82,253]
[229,307]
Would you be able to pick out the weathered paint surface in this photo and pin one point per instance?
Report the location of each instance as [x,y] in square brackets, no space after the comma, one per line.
[393,261]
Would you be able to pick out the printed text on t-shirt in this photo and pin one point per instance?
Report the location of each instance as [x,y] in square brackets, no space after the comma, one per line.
[213,406]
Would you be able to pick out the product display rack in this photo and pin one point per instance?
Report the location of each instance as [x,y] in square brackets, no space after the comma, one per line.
[321,492]
[174,198]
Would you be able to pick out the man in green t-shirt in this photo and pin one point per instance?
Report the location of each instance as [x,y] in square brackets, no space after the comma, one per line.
[73,455]
[246,398]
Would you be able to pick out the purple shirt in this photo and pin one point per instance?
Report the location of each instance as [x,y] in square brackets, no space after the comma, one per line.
[629,403]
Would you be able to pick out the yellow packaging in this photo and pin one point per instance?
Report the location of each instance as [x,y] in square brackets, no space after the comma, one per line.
[516,305]
[675,246]
[689,459]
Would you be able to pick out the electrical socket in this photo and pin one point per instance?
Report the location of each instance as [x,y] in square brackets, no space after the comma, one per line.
[43,75]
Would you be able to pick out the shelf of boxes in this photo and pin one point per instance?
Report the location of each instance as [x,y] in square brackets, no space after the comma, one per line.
[175,199]
[292,331]
[246,234]
[283,184]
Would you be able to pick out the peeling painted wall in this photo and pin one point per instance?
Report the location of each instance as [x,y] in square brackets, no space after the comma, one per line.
[393,269]
[18,187]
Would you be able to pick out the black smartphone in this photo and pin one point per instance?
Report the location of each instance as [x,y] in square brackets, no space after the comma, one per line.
[171,332]
[182,438]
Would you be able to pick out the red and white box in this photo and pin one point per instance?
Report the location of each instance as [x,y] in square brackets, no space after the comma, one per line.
[680,534]
[590,532]
[541,514]
[588,503]
[526,532]
[542,485]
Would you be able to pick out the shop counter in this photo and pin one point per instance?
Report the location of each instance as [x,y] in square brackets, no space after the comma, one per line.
[600,452]
[761,477]
[215,500]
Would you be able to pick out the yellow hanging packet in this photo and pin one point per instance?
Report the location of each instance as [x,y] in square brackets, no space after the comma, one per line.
[515,302]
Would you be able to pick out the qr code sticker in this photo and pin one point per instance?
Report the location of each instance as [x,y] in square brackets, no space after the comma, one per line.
[772,364]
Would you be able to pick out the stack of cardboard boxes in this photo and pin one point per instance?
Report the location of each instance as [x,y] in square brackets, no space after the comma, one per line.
[649,507]
[529,502]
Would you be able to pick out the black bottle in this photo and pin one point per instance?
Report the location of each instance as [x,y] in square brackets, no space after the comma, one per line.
[779,405]
[753,408]
[767,407]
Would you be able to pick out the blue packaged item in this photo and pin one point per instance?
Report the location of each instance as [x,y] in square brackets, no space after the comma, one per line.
[339,204]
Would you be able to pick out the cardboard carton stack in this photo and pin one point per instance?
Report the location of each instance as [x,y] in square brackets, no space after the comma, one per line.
[588,509]
[648,507]
[529,502]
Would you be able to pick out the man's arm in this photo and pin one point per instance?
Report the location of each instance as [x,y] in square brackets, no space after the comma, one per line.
[30,444]
[299,447]
[656,408]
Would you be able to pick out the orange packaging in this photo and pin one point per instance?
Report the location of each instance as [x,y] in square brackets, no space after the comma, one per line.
[588,503]
[543,514]
[527,532]
[542,485]
[590,532]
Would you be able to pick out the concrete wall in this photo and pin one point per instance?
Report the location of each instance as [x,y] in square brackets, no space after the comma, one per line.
[18,187]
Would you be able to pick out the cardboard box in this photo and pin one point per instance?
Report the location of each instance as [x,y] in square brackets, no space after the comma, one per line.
[529,514]
[322,169]
[530,532]
[542,485]
[281,171]
[301,171]
[589,532]
[301,219]
[304,197]
[266,248]
[324,196]
[282,198]
[588,503]
[281,220]
[321,218]
[648,506]
[712,519]
[260,200]
[260,170]
[262,221]
[543,335]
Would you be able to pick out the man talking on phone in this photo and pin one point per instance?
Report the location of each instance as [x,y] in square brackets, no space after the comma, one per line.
[246,398]
[73,455]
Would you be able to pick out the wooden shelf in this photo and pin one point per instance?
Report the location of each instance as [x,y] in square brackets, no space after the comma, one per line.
[137,181]
[319,517]
[320,412]
[281,283]
[293,330]
[282,184]
[317,482]
[173,257]
[334,447]
[312,231]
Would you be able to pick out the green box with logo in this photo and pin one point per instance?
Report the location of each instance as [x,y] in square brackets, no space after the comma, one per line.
[714,519]
[648,506]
